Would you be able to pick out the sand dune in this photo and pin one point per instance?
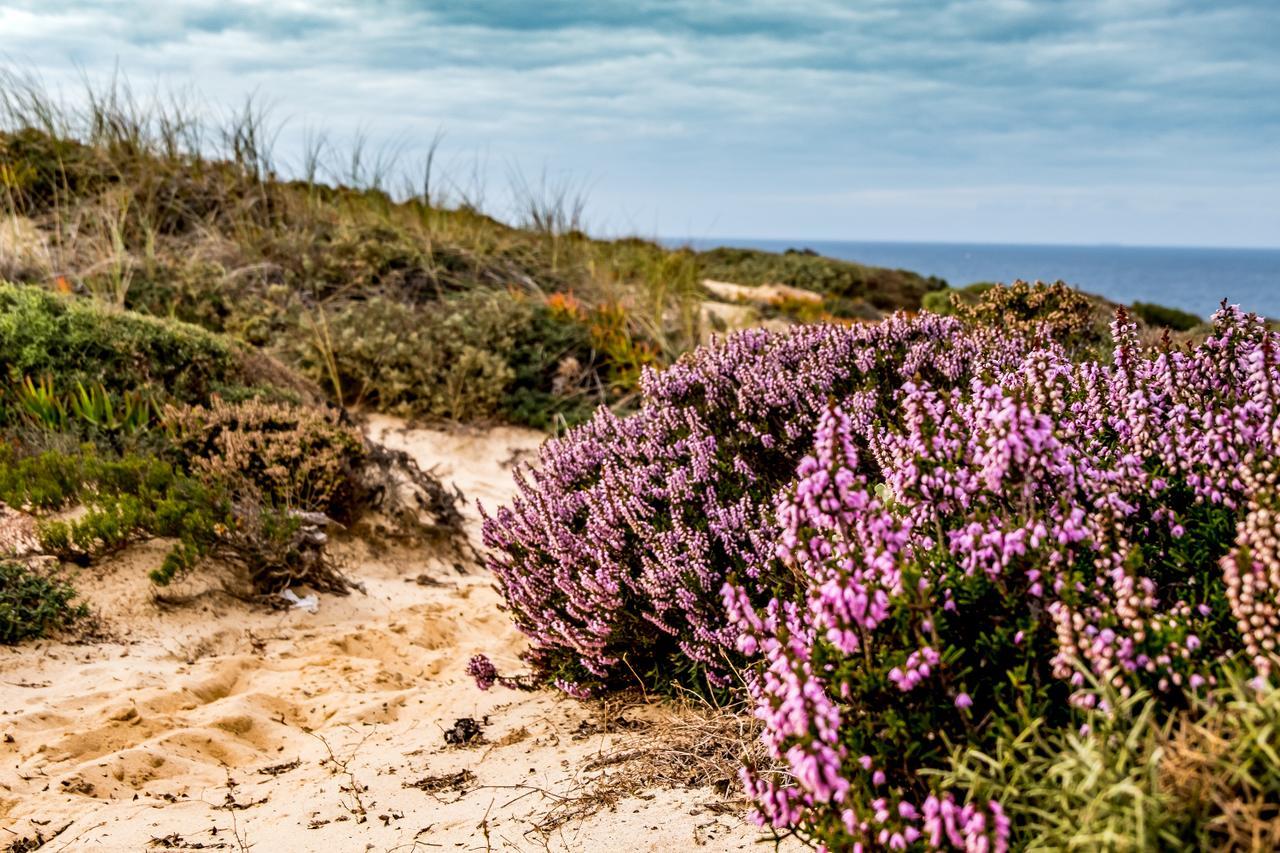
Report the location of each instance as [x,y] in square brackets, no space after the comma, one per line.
[211,724]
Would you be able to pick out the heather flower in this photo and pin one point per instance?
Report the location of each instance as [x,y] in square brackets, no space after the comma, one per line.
[483,671]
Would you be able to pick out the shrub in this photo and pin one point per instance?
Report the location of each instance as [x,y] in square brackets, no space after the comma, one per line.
[34,603]
[614,551]
[1164,317]
[1076,787]
[77,343]
[415,361]
[1060,311]
[291,457]
[884,289]
[470,357]
[1036,528]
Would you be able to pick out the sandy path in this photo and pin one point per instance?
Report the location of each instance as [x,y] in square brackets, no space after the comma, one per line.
[216,724]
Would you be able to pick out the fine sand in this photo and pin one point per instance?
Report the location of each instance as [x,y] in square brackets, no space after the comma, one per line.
[213,724]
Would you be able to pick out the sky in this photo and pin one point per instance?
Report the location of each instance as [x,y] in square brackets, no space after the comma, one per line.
[1146,122]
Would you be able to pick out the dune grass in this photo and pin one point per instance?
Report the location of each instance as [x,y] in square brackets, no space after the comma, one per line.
[147,203]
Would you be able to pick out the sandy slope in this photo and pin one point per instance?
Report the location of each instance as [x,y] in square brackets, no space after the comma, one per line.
[213,723]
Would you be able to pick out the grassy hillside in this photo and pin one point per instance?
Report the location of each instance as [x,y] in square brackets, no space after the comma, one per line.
[407,304]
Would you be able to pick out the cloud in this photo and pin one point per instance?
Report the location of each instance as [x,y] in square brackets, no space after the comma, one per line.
[675,108]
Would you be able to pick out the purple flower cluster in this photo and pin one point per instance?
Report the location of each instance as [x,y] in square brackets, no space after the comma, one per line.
[910,530]
[1040,524]
[613,554]
[483,671]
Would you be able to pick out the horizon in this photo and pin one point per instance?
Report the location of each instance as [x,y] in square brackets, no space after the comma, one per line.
[1001,122]
[798,243]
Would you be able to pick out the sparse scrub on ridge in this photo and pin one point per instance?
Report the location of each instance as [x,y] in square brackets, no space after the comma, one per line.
[882,289]
[1161,316]
[147,206]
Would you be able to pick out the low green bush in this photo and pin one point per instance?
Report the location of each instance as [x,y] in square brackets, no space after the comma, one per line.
[884,289]
[54,480]
[1141,776]
[127,498]
[1165,317]
[34,603]
[77,342]
[480,355]
[132,498]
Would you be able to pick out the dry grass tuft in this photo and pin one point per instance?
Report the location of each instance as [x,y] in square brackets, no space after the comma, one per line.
[652,745]
[1201,769]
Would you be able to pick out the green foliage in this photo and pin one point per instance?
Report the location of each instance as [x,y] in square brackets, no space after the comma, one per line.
[89,412]
[54,480]
[125,499]
[34,603]
[1164,317]
[95,406]
[884,289]
[1078,788]
[38,402]
[553,379]
[469,357]
[1001,659]
[942,301]
[78,343]
[938,302]
[1142,776]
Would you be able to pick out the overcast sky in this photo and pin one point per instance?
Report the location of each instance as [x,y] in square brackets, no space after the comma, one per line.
[1064,121]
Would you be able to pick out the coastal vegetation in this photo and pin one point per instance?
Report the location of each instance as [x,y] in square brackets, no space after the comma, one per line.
[987,579]
[407,299]
[991,567]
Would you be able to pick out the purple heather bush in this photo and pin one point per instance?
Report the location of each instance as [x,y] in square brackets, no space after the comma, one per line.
[614,552]
[993,550]
[910,537]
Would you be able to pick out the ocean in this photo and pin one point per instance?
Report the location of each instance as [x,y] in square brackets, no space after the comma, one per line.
[1192,279]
